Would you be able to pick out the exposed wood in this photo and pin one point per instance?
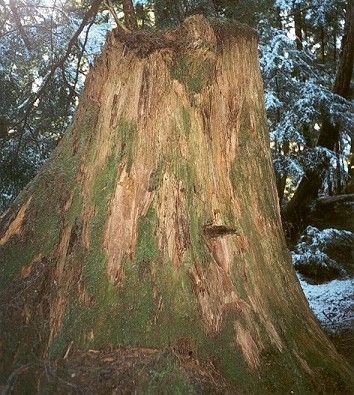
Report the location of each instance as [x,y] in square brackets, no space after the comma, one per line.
[15,226]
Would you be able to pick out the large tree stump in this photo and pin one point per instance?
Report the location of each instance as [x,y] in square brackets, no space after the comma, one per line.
[155,228]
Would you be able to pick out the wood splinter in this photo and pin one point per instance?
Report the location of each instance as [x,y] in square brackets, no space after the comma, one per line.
[212,231]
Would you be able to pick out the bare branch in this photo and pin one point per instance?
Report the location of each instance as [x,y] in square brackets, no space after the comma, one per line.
[91,13]
[17,18]
[112,10]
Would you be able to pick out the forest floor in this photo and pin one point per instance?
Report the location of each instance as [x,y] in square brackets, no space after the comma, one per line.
[332,303]
[127,370]
[325,257]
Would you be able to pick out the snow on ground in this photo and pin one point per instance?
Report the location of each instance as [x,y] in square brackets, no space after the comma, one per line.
[332,303]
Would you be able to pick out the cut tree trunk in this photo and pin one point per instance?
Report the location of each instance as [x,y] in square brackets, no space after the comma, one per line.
[148,254]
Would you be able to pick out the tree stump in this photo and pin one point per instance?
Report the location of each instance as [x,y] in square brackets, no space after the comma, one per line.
[153,235]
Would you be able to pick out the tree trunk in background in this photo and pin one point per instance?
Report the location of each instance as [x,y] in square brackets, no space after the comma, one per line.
[202,7]
[129,15]
[148,254]
[295,213]
[281,179]
[298,27]
[350,186]
[168,12]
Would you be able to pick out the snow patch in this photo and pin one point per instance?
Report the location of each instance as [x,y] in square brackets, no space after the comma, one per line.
[315,257]
[332,303]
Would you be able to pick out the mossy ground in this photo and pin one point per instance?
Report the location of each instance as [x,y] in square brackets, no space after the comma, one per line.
[126,370]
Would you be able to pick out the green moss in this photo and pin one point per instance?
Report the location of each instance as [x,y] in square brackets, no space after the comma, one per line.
[283,373]
[137,312]
[126,132]
[40,233]
[53,186]
[62,341]
[109,317]
[13,255]
[119,316]
[167,378]
[63,164]
[229,357]
[95,260]
[238,280]
[278,373]
[236,175]
[130,314]
[183,172]
[156,176]
[78,320]
[228,215]
[195,219]
[177,296]
[134,318]
[187,124]
[25,384]
[75,208]
[86,130]
[103,187]
[193,72]
[134,310]
[146,246]
[43,222]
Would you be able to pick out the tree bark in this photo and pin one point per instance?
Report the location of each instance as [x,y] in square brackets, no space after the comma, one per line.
[148,254]
[298,27]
